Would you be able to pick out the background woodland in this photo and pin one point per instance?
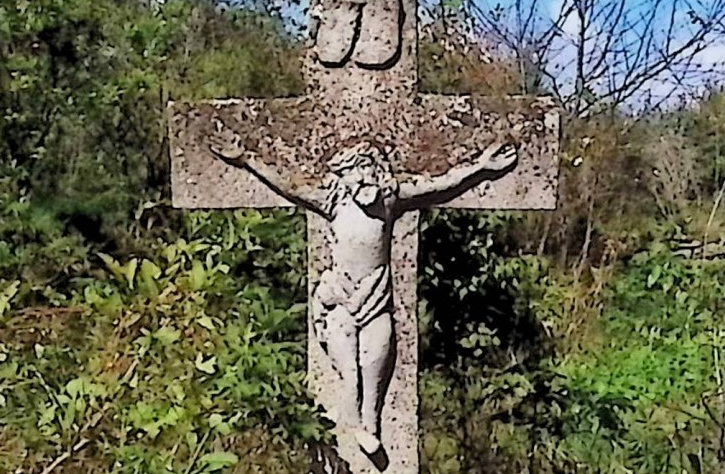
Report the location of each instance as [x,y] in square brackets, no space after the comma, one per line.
[140,339]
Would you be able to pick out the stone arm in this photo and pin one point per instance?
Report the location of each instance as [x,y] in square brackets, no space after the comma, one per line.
[492,163]
[228,147]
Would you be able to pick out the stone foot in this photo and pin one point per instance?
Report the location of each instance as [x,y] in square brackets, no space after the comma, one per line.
[373,449]
[368,442]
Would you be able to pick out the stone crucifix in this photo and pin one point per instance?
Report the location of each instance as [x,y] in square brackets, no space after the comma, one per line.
[361,152]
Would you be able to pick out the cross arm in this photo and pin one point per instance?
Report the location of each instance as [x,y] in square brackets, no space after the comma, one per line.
[302,196]
[229,147]
[480,152]
[244,153]
[493,162]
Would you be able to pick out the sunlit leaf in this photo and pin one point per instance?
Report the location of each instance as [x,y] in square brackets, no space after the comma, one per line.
[218,460]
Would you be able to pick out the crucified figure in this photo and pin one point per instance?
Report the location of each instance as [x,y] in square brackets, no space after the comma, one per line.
[352,306]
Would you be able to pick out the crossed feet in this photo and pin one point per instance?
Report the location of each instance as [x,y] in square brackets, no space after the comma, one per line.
[373,449]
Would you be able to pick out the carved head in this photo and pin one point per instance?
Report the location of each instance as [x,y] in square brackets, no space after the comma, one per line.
[364,165]
[364,160]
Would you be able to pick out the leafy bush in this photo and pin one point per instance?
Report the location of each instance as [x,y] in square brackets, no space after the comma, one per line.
[547,371]
[158,363]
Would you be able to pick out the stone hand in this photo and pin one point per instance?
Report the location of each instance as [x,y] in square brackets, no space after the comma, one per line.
[499,157]
[225,143]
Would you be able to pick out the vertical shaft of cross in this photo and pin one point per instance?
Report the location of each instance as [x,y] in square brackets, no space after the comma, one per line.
[363,60]
[400,414]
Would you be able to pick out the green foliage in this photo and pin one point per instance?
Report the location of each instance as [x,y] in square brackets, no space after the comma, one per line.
[85,85]
[167,349]
[653,376]
[166,343]
[642,392]
[705,130]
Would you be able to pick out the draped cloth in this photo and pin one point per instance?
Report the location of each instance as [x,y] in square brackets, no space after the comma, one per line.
[336,296]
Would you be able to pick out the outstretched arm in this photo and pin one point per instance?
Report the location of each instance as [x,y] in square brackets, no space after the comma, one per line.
[492,163]
[228,146]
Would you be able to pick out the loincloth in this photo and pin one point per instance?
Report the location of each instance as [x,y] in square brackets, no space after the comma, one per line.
[370,298]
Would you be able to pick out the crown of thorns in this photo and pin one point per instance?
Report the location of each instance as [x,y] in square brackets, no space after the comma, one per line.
[361,155]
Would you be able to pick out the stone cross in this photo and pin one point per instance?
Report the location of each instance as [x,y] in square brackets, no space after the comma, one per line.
[361,152]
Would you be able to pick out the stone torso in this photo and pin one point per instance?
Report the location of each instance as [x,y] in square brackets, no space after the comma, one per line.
[361,226]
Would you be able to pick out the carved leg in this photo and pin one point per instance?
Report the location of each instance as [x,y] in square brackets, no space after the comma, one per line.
[377,360]
[341,345]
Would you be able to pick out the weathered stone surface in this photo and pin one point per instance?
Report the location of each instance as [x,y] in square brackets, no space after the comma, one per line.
[429,134]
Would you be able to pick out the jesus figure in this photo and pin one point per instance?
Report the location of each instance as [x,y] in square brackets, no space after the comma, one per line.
[352,306]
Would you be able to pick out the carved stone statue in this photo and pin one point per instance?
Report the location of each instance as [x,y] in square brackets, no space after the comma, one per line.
[352,306]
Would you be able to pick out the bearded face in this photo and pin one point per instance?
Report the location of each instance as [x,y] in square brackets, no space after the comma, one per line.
[363,171]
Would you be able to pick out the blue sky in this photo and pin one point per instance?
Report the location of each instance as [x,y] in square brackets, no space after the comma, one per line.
[663,85]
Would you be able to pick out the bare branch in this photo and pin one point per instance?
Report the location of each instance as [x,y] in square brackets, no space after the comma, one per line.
[596,55]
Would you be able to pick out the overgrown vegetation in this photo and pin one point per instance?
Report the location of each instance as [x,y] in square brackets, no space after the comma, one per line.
[135,338]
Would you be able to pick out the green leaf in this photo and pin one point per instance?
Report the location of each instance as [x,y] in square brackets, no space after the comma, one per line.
[7,294]
[310,430]
[197,276]
[167,335]
[215,419]
[149,275]
[208,367]
[121,272]
[217,423]
[218,460]
[39,350]
[298,308]
[75,387]
[206,322]
[152,429]
[112,264]
[170,252]
[223,429]
[191,440]
[129,271]
[654,276]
